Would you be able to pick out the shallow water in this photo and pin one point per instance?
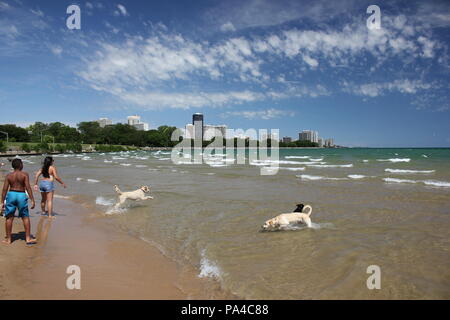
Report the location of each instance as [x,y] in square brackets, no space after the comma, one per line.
[208,218]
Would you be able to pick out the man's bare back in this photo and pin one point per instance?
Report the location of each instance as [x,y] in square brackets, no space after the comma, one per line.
[18,181]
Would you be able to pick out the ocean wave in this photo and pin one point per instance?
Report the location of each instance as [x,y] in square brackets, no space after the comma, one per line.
[308,177]
[330,165]
[269,162]
[141,166]
[437,183]
[293,169]
[297,157]
[93,180]
[408,171]
[162,159]
[107,161]
[396,160]
[125,164]
[356,176]
[209,269]
[433,183]
[365,160]
[119,158]
[395,180]
[315,160]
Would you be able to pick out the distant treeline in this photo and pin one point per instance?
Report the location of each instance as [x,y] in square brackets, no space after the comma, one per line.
[59,137]
[89,133]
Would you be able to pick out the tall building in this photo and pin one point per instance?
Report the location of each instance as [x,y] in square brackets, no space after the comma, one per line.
[197,121]
[320,142]
[132,120]
[189,134]
[287,139]
[309,135]
[135,121]
[329,143]
[103,122]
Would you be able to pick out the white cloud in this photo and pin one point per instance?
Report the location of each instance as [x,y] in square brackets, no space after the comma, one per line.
[162,100]
[139,68]
[227,27]
[259,114]
[121,11]
[377,89]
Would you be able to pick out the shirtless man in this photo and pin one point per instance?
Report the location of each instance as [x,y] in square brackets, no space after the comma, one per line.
[14,191]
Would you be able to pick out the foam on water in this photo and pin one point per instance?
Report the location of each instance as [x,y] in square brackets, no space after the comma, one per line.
[125,164]
[433,183]
[396,160]
[408,171]
[293,169]
[102,201]
[330,165]
[308,177]
[394,180]
[60,196]
[356,176]
[209,269]
[93,180]
[297,157]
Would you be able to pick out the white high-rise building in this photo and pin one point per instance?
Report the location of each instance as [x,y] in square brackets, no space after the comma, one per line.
[309,135]
[132,120]
[189,133]
[103,122]
[135,121]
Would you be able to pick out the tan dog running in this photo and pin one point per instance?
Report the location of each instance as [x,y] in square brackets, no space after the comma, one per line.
[139,194]
[285,219]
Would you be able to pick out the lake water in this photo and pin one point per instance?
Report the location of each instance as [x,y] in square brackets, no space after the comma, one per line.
[384,207]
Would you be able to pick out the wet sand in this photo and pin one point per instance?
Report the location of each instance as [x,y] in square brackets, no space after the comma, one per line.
[114,265]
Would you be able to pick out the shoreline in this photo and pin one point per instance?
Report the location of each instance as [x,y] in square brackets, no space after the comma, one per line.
[113,264]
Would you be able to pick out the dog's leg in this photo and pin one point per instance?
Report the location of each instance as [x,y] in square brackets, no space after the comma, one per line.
[148,197]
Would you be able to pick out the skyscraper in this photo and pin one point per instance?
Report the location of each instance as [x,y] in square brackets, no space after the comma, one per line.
[197,121]
[309,135]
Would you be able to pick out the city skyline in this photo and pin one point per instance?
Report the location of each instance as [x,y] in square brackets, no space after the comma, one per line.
[289,65]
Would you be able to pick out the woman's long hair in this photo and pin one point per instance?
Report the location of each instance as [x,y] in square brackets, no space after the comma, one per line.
[48,161]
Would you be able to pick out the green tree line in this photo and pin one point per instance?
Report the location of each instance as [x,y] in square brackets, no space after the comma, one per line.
[88,133]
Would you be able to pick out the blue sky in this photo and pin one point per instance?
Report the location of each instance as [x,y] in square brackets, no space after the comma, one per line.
[291,65]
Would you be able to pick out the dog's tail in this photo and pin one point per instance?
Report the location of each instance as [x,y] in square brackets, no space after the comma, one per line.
[116,188]
[308,207]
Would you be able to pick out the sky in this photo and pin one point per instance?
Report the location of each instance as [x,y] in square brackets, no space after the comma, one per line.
[262,64]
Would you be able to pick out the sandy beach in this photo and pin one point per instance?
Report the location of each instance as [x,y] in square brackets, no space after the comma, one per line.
[114,265]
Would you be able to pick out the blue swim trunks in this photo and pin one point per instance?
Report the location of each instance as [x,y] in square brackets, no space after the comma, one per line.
[16,200]
[46,186]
